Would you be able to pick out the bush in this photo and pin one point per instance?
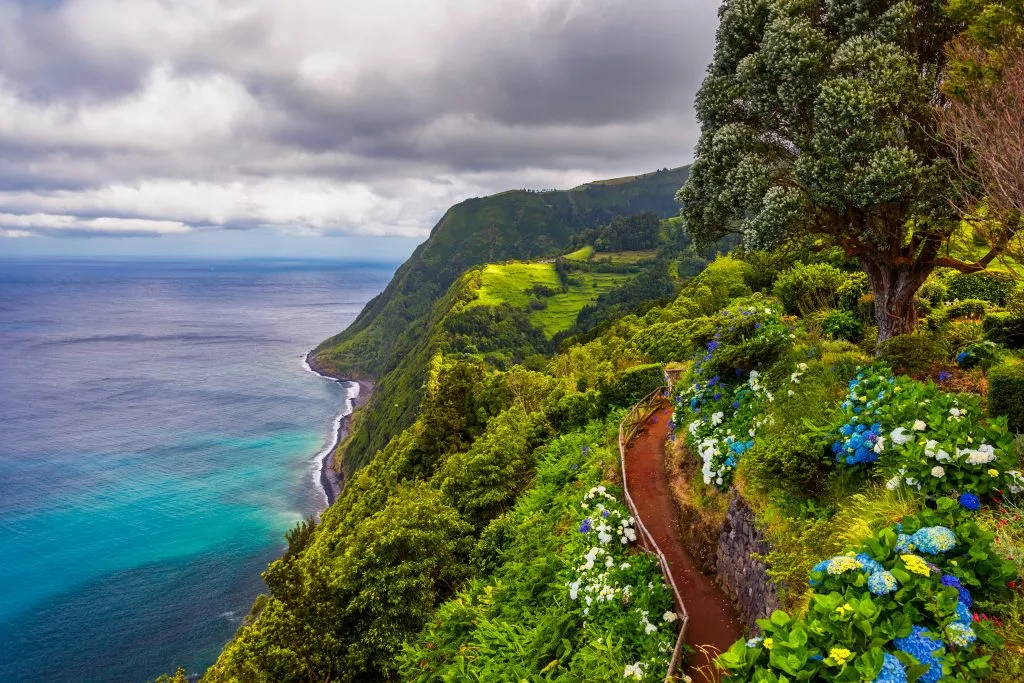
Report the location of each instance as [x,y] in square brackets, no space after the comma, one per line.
[1005,329]
[916,352]
[842,325]
[792,462]
[962,334]
[806,288]
[1006,394]
[980,355]
[630,386]
[934,292]
[570,411]
[1015,303]
[853,288]
[993,287]
[968,308]
[724,278]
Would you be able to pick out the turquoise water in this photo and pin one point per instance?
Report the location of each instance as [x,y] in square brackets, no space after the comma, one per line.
[158,434]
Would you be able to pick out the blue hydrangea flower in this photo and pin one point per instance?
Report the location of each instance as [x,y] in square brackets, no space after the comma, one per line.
[882,583]
[963,614]
[970,501]
[870,566]
[933,540]
[923,648]
[965,595]
[818,568]
[960,634]
[585,526]
[892,671]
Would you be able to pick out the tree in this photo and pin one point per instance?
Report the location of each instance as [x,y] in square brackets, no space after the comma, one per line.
[817,120]
[983,116]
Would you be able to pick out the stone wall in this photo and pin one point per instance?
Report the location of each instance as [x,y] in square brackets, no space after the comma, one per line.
[741,575]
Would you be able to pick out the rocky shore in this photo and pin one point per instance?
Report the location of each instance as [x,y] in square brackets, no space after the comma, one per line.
[332,479]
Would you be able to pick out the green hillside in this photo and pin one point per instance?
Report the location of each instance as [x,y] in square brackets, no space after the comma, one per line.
[536,287]
[518,224]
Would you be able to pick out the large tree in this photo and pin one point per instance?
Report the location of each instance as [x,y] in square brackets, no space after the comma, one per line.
[818,118]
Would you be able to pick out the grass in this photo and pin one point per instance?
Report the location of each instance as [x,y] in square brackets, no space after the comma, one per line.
[563,308]
[510,283]
[624,256]
[583,254]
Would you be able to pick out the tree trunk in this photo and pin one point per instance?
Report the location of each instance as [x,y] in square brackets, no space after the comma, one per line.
[894,288]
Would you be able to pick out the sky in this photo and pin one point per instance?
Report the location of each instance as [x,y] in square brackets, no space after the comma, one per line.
[327,128]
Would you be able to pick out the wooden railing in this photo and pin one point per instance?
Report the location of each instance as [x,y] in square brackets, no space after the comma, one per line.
[636,417]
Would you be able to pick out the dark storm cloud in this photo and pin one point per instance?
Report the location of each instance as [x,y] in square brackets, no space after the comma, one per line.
[363,118]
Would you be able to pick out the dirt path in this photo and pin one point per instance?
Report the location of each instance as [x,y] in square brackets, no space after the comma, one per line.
[713,622]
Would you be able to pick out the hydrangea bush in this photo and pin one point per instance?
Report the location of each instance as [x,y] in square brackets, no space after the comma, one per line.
[724,406]
[898,609]
[610,589]
[922,437]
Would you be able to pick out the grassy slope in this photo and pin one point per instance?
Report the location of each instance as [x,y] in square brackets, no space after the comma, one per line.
[389,333]
[509,283]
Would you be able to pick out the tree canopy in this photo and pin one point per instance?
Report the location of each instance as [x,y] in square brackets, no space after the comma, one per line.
[818,119]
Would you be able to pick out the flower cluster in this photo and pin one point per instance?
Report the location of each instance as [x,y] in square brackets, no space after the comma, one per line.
[609,583]
[923,437]
[887,587]
[860,437]
[723,436]
[924,649]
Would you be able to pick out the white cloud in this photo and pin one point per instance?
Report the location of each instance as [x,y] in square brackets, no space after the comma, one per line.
[315,116]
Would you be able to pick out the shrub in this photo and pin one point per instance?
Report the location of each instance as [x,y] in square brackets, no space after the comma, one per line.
[853,288]
[979,355]
[1015,303]
[1006,394]
[630,386]
[963,333]
[569,411]
[724,278]
[916,352]
[665,342]
[933,291]
[806,288]
[1005,329]
[842,325]
[875,608]
[792,462]
[968,308]
[993,287]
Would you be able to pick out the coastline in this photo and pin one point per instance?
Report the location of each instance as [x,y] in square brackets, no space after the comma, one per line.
[330,479]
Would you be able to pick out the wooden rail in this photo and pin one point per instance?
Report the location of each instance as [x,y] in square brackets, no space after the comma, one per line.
[636,417]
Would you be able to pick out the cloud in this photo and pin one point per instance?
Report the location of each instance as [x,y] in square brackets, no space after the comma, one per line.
[318,117]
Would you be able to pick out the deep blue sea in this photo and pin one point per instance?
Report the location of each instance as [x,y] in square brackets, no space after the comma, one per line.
[158,433]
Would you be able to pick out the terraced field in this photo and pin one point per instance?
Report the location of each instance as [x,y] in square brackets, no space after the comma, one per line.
[510,283]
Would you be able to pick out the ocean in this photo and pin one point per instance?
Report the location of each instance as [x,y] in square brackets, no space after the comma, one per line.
[158,435]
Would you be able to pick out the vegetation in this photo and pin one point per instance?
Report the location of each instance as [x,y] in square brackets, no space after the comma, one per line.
[391,340]
[485,538]
[817,120]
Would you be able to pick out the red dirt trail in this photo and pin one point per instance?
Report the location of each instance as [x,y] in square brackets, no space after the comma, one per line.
[713,621]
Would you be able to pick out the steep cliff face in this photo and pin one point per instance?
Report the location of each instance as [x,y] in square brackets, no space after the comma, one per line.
[517,224]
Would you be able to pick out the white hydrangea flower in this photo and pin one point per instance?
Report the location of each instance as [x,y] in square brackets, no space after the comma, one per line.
[938,471]
[919,426]
[634,671]
[900,436]
[670,616]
